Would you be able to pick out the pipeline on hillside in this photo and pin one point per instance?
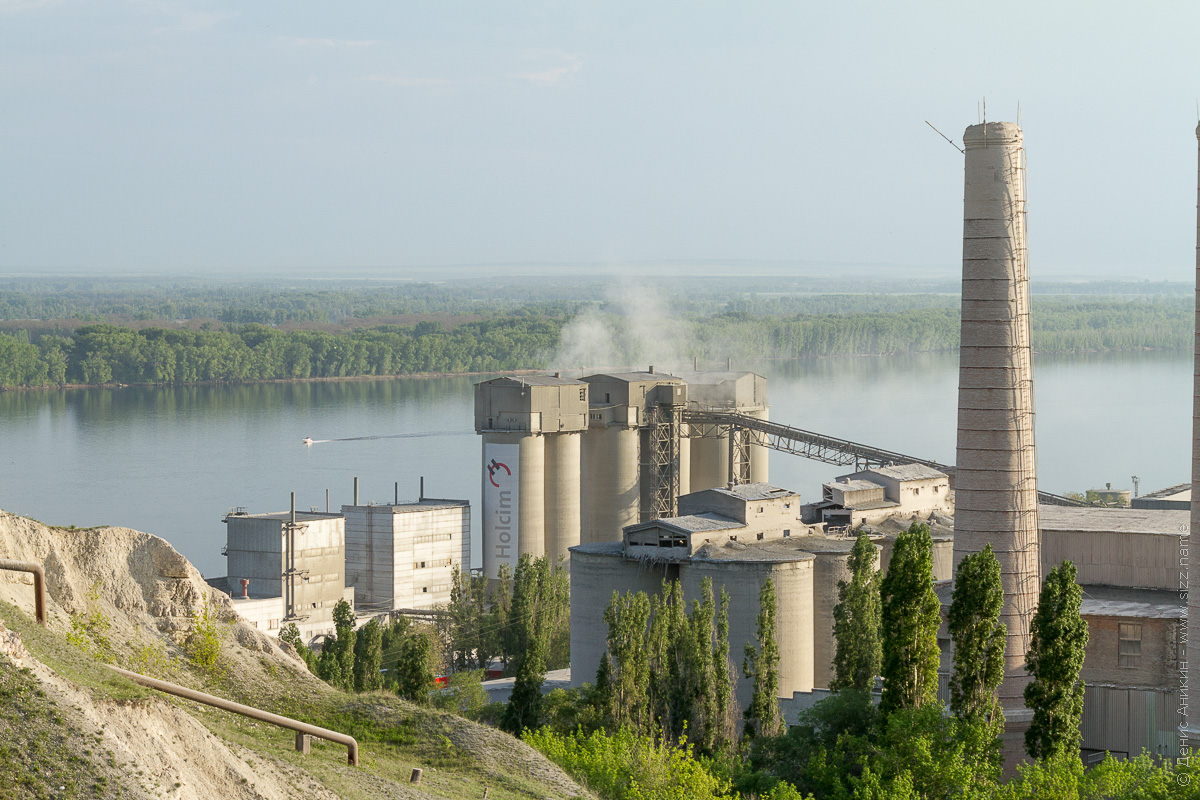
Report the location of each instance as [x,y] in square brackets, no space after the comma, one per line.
[246,711]
[39,584]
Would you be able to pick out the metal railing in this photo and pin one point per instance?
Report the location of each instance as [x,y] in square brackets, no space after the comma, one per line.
[246,711]
[39,584]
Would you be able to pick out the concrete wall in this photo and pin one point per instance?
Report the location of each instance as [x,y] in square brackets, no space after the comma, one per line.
[254,548]
[320,550]
[535,404]
[1124,559]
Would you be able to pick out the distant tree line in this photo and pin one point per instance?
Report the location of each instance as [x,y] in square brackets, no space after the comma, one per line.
[103,353]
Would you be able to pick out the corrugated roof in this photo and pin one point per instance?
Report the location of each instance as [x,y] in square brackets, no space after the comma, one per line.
[908,472]
[689,523]
[535,380]
[856,485]
[1169,522]
[635,377]
[755,491]
[1108,601]
[872,505]
[1170,491]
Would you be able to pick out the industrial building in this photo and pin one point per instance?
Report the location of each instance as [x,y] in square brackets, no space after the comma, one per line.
[403,555]
[569,461]
[874,495]
[1178,497]
[738,538]
[286,567]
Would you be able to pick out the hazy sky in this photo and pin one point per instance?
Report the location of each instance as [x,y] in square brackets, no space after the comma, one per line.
[162,136]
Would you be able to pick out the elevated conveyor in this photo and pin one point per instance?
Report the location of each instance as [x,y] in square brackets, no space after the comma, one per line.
[819,447]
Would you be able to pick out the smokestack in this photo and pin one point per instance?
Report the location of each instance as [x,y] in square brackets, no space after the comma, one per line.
[1193,709]
[996,482]
[422,494]
[695,363]
[396,494]
[355,490]
[729,365]
[293,511]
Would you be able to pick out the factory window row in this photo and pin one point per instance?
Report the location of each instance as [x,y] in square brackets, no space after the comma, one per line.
[441,587]
[1129,644]
[436,562]
[433,537]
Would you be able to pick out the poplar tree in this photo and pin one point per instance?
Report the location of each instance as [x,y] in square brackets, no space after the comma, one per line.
[1058,641]
[979,639]
[856,621]
[762,666]
[529,636]
[910,615]
[368,657]
[723,677]
[627,617]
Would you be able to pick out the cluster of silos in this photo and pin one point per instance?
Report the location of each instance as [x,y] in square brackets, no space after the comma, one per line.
[708,446]
[996,481]
[599,570]
[614,482]
[532,429]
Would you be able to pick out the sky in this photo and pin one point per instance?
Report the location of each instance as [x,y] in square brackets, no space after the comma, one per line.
[404,139]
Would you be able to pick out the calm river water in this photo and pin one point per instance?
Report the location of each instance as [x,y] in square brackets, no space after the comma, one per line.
[172,461]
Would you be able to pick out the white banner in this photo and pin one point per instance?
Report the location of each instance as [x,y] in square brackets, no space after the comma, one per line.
[501,499]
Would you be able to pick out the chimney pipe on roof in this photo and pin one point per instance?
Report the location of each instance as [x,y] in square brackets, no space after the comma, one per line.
[245,588]
[355,490]
[651,369]
[422,496]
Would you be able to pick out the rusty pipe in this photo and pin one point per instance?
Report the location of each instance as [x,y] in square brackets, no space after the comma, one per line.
[246,711]
[39,584]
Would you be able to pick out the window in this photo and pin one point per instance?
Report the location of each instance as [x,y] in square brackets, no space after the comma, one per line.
[760,509]
[787,531]
[1129,644]
[760,537]
[425,589]
[583,394]
[606,397]
[916,490]
[937,489]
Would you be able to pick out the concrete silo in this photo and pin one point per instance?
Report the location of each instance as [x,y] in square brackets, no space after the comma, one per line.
[996,483]
[709,457]
[531,428]
[1193,574]
[626,412]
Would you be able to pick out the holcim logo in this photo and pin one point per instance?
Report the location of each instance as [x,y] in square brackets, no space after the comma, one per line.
[492,467]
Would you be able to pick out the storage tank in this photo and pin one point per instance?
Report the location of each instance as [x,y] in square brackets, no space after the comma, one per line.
[562,494]
[792,575]
[526,421]
[831,565]
[996,480]
[614,487]
[597,570]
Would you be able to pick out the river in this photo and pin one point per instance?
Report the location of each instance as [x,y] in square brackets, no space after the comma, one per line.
[171,461]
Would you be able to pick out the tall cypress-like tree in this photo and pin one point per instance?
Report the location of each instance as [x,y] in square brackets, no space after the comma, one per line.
[368,657]
[529,632]
[1058,641]
[627,617]
[979,638]
[762,666]
[911,615]
[856,621]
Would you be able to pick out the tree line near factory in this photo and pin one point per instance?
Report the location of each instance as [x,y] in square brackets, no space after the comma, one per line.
[47,355]
[660,720]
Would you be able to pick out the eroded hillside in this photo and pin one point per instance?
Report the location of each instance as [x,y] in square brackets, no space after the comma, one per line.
[70,727]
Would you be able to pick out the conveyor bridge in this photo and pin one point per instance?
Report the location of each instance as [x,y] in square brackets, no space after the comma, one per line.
[744,430]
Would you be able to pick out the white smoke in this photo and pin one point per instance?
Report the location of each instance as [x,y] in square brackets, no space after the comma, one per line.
[634,328]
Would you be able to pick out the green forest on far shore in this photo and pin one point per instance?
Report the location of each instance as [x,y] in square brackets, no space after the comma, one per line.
[462,331]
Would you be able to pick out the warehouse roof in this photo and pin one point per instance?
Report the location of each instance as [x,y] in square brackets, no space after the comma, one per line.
[908,472]
[754,491]
[1172,522]
[855,485]
[1108,601]
[635,377]
[690,523]
[536,380]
